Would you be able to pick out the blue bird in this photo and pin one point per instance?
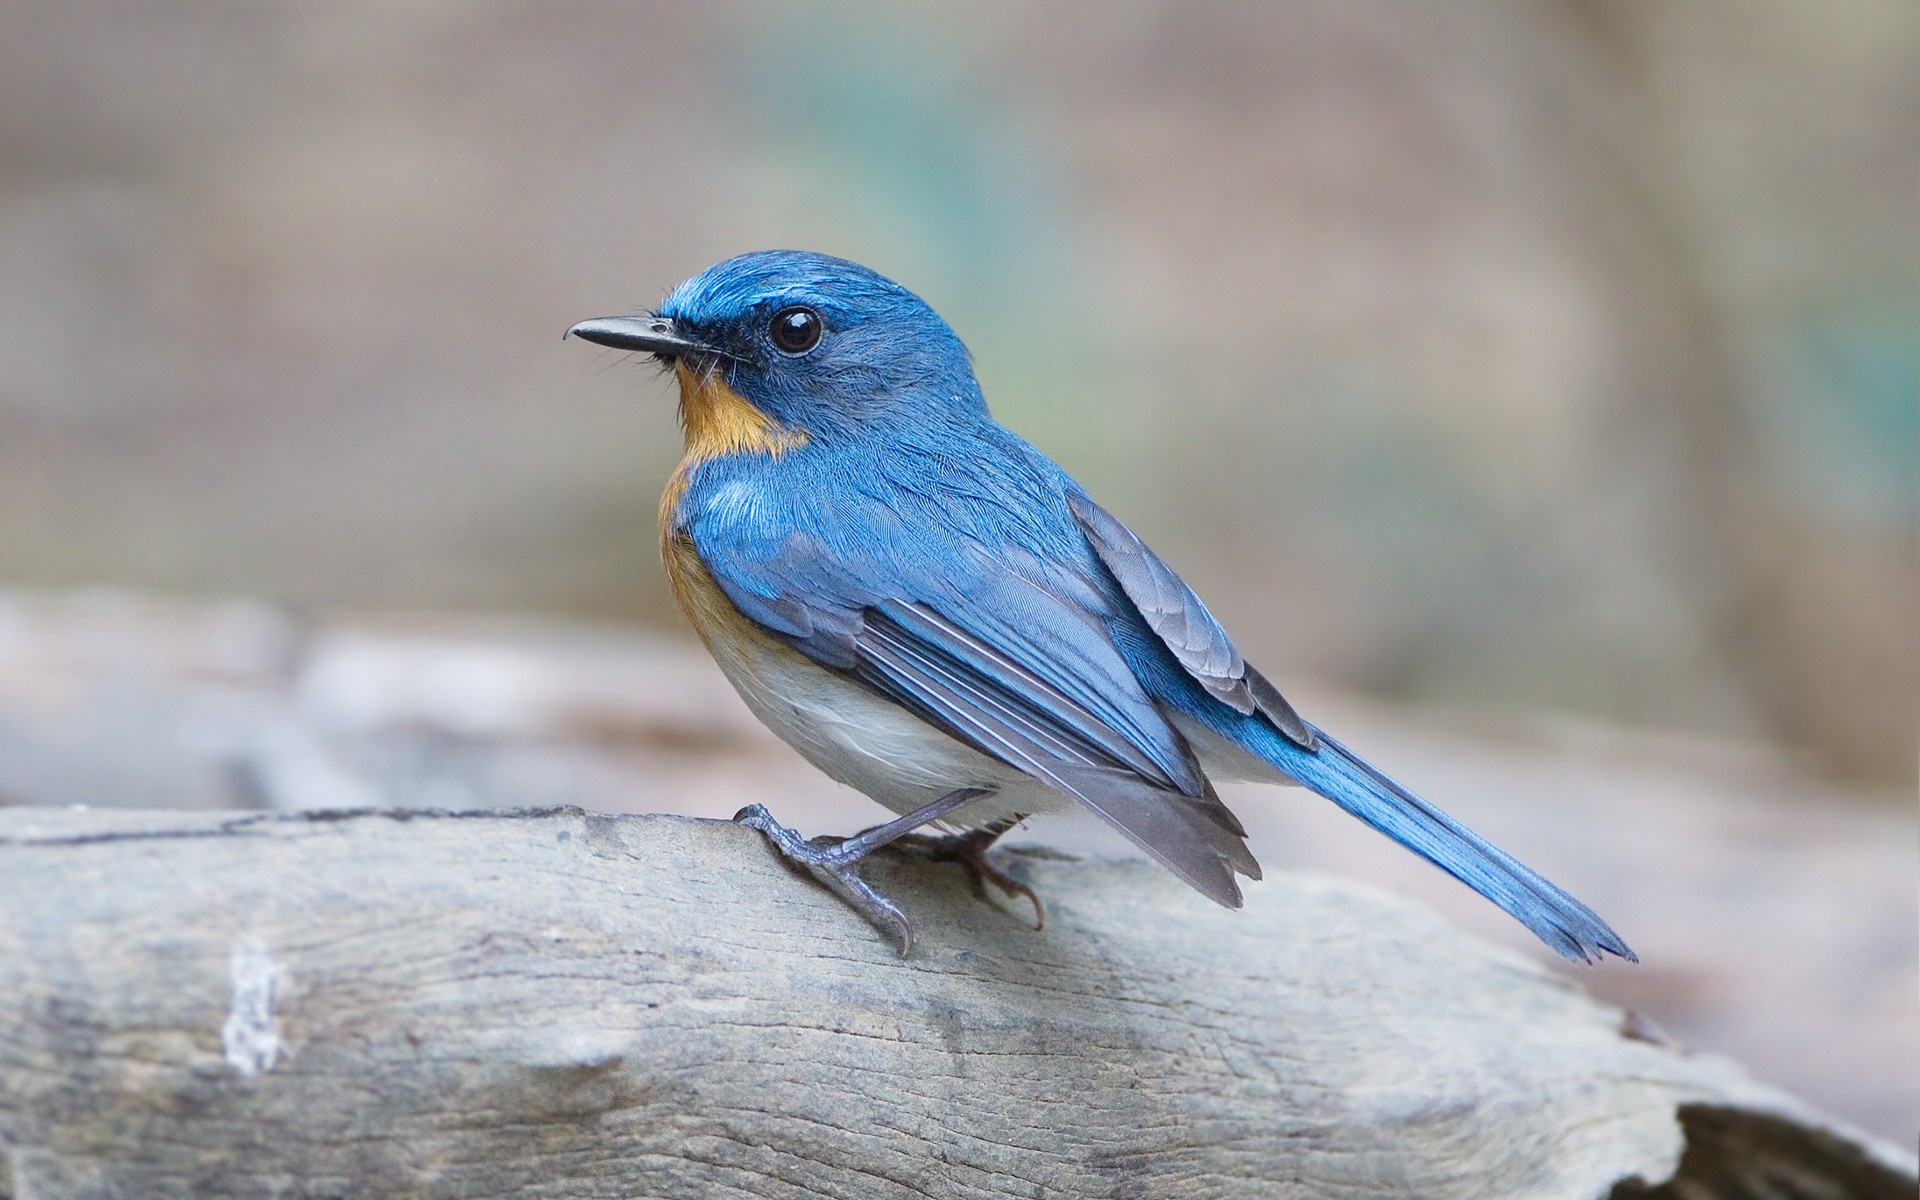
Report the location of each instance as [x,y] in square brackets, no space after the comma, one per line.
[930,611]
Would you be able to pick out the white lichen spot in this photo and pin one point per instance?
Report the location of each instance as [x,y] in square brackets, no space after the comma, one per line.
[250,1036]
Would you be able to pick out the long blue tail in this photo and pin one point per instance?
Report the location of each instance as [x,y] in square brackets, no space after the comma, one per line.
[1570,927]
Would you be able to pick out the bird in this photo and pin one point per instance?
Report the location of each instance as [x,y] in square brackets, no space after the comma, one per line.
[934,613]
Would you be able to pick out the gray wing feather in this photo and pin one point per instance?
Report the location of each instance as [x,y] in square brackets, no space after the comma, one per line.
[954,681]
[1179,619]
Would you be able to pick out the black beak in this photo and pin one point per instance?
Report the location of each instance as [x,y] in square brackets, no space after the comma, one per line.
[650,335]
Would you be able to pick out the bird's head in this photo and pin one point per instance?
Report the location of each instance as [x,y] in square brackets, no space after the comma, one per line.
[815,348]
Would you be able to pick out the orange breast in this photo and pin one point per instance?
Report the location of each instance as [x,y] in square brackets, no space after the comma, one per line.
[717,423]
[705,606]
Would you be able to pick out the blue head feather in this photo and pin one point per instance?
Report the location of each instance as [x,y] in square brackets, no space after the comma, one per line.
[884,361]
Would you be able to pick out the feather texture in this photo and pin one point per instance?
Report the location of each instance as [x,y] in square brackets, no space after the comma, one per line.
[1015,671]
[921,602]
[1183,624]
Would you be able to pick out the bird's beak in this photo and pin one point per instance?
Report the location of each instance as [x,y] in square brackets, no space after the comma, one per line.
[650,335]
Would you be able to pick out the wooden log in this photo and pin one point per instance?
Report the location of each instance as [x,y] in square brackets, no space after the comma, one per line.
[553,1003]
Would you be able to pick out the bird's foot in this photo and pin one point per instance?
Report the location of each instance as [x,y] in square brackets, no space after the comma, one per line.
[832,861]
[969,849]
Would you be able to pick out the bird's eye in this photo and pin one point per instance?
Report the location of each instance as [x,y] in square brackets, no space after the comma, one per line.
[795,329]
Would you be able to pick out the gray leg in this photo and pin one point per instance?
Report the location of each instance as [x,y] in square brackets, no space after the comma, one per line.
[969,849]
[833,861]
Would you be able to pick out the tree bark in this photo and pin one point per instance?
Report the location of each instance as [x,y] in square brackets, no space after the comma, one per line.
[553,1003]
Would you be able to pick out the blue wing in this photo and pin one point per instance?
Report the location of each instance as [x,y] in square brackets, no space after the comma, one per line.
[945,625]
[1177,617]
[1238,703]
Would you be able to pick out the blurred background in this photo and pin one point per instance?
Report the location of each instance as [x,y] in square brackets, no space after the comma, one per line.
[1532,383]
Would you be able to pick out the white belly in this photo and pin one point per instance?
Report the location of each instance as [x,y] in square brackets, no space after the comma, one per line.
[871,744]
[1225,761]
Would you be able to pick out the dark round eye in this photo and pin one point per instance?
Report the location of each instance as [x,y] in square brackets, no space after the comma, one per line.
[796,330]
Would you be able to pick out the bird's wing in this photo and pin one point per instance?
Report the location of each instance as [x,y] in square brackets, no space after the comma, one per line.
[1183,624]
[1308,755]
[1004,665]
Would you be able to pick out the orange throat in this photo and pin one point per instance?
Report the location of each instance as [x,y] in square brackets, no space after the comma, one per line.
[717,423]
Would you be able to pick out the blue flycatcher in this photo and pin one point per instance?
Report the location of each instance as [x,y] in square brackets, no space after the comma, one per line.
[932,612]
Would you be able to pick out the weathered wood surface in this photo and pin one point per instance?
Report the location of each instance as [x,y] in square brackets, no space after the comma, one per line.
[559,1004]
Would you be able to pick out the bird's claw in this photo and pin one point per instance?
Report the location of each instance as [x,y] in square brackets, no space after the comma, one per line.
[827,860]
[1010,887]
[970,851]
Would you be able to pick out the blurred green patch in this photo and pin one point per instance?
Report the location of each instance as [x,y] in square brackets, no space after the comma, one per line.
[1850,425]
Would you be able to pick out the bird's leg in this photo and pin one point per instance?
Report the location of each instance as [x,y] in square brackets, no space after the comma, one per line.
[969,849]
[833,861]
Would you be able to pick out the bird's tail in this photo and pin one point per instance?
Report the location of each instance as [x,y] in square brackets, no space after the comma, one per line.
[1570,927]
